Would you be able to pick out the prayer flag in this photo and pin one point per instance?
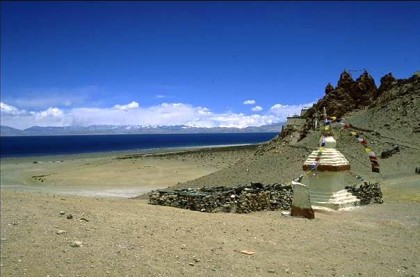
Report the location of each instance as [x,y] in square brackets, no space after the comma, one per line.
[375,163]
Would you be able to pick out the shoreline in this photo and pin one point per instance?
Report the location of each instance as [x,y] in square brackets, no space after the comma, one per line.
[125,174]
[152,151]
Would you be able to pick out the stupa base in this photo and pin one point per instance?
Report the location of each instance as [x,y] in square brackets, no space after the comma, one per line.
[337,200]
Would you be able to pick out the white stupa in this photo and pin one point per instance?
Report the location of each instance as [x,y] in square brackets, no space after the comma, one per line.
[327,185]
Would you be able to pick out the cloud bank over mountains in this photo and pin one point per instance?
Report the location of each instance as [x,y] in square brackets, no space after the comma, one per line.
[133,113]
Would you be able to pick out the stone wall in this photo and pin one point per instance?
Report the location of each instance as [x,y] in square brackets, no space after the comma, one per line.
[367,192]
[248,198]
[242,199]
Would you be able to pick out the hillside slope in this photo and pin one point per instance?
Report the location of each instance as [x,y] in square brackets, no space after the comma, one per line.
[392,118]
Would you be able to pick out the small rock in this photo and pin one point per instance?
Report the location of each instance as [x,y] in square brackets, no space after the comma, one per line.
[84,219]
[62,213]
[285,213]
[191,264]
[69,216]
[59,232]
[271,271]
[247,252]
[76,243]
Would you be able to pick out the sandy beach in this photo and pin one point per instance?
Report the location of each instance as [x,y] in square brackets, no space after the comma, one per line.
[117,174]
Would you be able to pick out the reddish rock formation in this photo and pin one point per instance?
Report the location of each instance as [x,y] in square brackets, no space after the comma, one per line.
[387,82]
[349,95]
[329,88]
[346,81]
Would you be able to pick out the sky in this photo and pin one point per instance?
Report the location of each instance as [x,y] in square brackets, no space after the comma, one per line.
[202,64]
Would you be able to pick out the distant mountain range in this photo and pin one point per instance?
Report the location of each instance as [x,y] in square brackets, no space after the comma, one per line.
[130,129]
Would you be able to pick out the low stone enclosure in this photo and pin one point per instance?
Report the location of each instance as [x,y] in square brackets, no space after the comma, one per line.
[248,198]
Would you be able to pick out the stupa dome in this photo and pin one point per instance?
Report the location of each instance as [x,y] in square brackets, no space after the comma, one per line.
[330,160]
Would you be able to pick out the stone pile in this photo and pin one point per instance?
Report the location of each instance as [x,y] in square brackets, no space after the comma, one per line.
[390,151]
[242,199]
[367,192]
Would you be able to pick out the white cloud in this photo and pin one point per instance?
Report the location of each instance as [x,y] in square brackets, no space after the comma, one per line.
[130,106]
[133,114]
[8,109]
[283,111]
[52,117]
[242,120]
[50,112]
[249,102]
[44,98]
[20,119]
[257,109]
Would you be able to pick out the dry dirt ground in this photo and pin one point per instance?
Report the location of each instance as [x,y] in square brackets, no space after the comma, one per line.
[128,237]
[121,237]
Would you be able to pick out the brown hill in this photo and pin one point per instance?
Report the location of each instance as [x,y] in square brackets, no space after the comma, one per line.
[384,116]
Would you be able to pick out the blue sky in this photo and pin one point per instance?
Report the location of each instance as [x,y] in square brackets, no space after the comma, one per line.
[196,63]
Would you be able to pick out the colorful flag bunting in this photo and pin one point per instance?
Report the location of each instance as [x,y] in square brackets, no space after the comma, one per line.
[369,151]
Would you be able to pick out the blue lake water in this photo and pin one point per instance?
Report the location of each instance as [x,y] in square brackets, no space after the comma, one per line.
[63,145]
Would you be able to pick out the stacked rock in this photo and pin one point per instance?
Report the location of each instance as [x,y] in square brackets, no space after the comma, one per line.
[367,192]
[242,199]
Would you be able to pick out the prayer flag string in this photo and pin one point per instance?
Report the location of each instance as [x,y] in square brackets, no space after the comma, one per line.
[372,156]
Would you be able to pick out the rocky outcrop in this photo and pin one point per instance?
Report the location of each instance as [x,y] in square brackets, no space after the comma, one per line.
[346,81]
[329,88]
[387,82]
[349,95]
